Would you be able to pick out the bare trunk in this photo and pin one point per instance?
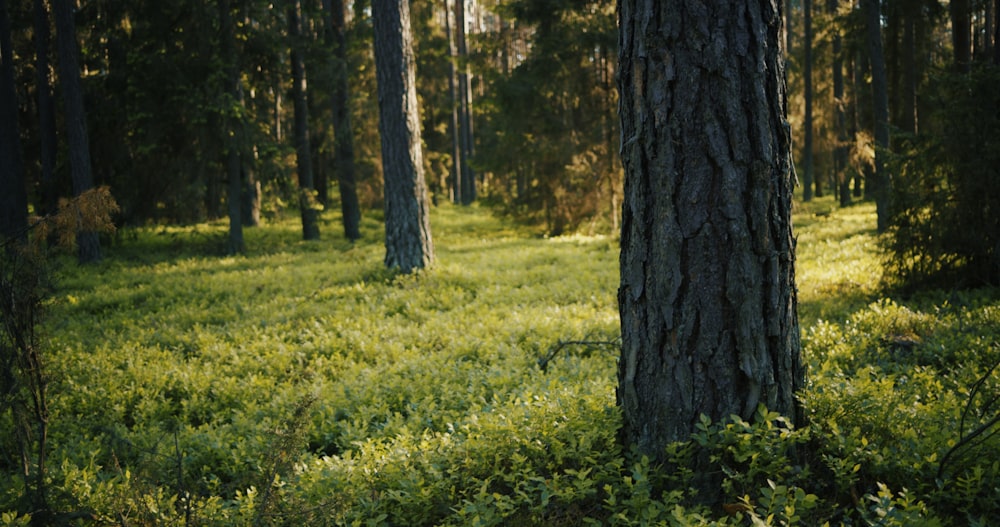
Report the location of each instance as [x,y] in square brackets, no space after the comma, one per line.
[880,182]
[231,144]
[465,107]
[13,196]
[707,296]
[453,126]
[303,154]
[46,110]
[343,134]
[408,244]
[88,243]
[808,174]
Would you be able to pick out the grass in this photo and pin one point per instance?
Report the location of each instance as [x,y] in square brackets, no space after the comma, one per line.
[302,383]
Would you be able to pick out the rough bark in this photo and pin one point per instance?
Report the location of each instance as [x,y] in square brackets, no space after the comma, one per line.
[13,196]
[88,243]
[303,153]
[880,181]
[408,243]
[343,135]
[707,295]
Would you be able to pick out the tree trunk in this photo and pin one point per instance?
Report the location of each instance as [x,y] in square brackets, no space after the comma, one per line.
[808,174]
[465,107]
[707,296]
[343,134]
[88,243]
[49,146]
[453,126]
[13,195]
[961,34]
[840,151]
[303,154]
[880,182]
[408,243]
[231,144]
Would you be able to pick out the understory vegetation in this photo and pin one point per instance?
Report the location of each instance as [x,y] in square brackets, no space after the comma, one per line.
[303,384]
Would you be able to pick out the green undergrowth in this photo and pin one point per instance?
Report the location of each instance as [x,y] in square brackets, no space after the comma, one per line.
[303,384]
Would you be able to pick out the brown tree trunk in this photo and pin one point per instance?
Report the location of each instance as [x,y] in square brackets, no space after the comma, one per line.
[808,174]
[231,143]
[303,154]
[46,110]
[343,134]
[880,182]
[408,243]
[465,107]
[88,243]
[453,124]
[707,296]
[841,150]
[13,196]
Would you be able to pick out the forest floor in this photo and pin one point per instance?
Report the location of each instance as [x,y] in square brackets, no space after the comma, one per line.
[303,384]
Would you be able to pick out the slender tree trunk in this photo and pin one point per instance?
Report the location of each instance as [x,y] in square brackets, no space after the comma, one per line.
[880,183]
[465,108]
[46,110]
[88,243]
[408,243]
[808,175]
[342,132]
[13,196]
[840,151]
[961,34]
[996,33]
[453,127]
[303,154]
[707,296]
[231,144]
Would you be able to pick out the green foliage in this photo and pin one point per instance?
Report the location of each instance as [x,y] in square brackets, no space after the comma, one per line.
[946,227]
[303,384]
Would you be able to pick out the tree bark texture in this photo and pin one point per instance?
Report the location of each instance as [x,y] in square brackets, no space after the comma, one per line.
[343,134]
[408,243]
[303,153]
[880,182]
[13,195]
[707,295]
[465,107]
[88,243]
[231,145]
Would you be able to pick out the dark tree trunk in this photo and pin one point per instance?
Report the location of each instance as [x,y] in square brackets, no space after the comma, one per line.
[453,127]
[465,107]
[996,33]
[88,243]
[880,181]
[303,154]
[408,244]
[231,144]
[13,196]
[961,34]
[342,132]
[808,174]
[908,117]
[49,145]
[840,151]
[707,296]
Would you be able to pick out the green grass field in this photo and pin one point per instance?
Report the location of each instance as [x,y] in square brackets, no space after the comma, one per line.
[303,384]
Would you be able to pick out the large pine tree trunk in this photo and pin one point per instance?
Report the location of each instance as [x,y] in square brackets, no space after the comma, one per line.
[808,174]
[232,134]
[342,132]
[408,243]
[453,125]
[707,296]
[465,107]
[841,151]
[303,153]
[88,243]
[13,196]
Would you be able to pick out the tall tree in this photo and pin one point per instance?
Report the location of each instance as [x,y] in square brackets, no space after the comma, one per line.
[465,106]
[707,295]
[453,124]
[343,135]
[841,148]
[13,196]
[961,34]
[880,182]
[88,243]
[303,154]
[48,143]
[408,243]
[808,175]
[232,123]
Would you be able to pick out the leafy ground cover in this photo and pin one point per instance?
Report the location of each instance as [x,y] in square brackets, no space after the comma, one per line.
[302,384]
